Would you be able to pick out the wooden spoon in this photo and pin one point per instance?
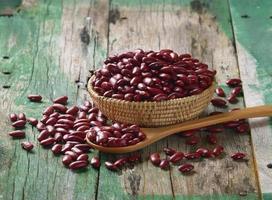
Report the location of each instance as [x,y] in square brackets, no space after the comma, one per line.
[155,134]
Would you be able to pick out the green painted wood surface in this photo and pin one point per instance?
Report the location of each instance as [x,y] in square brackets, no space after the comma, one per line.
[47,56]
[252,28]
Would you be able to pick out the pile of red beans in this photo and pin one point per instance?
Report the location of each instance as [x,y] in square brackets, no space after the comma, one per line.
[152,76]
[64,130]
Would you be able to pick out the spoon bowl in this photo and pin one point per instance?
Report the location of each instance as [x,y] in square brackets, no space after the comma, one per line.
[155,134]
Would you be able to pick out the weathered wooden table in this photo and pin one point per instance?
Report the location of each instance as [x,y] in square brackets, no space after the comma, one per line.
[48,46]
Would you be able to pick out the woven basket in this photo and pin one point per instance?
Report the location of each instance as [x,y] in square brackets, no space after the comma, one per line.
[152,114]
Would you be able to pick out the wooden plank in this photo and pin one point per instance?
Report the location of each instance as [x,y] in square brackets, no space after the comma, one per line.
[34,55]
[254,50]
[185,26]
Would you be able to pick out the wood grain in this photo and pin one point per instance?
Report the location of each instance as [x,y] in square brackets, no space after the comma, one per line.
[34,55]
[253,51]
[177,26]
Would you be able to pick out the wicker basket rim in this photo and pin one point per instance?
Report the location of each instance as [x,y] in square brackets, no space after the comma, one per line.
[188,98]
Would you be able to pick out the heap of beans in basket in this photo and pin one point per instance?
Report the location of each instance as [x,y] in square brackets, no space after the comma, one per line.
[152,76]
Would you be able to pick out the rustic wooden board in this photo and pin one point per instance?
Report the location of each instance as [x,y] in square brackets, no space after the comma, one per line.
[51,45]
[185,26]
[46,56]
[252,28]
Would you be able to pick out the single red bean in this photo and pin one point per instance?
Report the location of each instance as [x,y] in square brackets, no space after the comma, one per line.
[48,111]
[56,149]
[61,100]
[51,129]
[83,147]
[63,126]
[19,124]
[155,159]
[110,166]
[120,162]
[176,157]
[220,92]
[185,168]
[83,128]
[236,91]
[192,155]
[32,121]
[21,116]
[28,146]
[47,142]
[212,139]
[95,162]
[78,151]
[13,117]
[58,137]
[218,102]
[206,153]
[66,160]
[242,128]
[51,121]
[67,116]
[34,97]
[83,157]
[218,151]
[66,147]
[164,164]
[82,115]
[72,154]
[232,99]
[17,134]
[70,123]
[63,131]
[73,138]
[40,126]
[238,156]
[59,107]
[44,119]
[73,110]
[234,82]
[169,151]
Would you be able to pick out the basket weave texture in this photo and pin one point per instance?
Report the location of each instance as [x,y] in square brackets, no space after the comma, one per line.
[152,114]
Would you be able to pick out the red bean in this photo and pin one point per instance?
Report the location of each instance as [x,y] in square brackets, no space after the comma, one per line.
[67,147]
[17,134]
[83,147]
[155,159]
[51,121]
[220,92]
[164,164]
[28,146]
[234,82]
[110,166]
[48,111]
[47,142]
[206,153]
[59,107]
[13,117]
[120,162]
[169,151]
[95,162]
[19,124]
[72,154]
[56,149]
[82,115]
[61,100]
[217,151]
[66,160]
[232,99]
[185,168]
[212,139]
[192,155]
[238,156]
[77,151]
[63,131]
[218,102]
[40,126]
[242,128]
[83,157]
[32,121]
[176,157]
[34,97]
[21,116]
[73,110]
[58,137]
[236,91]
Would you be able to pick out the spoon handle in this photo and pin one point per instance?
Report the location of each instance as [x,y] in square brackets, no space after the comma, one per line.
[258,111]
